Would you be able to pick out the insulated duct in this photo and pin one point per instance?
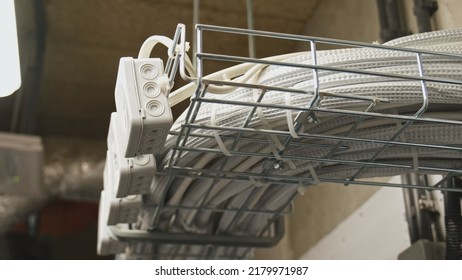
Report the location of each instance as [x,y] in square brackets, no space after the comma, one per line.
[73,168]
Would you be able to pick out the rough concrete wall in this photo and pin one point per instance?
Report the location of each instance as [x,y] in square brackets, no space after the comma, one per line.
[449,14]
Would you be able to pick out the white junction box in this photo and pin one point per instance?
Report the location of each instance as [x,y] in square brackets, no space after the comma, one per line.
[129,176]
[141,100]
[120,210]
[124,210]
[108,243]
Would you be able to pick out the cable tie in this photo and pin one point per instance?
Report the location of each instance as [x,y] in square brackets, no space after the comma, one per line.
[186,46]
[301,189]
[274,150]
[313,174]
[266,124]
[273,141]
[290,121]
[188,228]
[278,156]
[257,182]
[290,163]
[415,156]
[171,221]
[216,134]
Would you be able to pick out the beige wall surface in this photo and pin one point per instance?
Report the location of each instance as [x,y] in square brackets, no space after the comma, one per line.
[355,20]
[449,14]
[322,207]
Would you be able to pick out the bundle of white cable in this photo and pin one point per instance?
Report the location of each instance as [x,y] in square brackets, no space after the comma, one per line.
[404,98]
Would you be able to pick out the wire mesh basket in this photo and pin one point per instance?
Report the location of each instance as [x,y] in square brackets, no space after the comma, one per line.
[396,115]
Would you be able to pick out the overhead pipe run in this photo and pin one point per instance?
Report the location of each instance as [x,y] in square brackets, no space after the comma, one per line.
[423,10]
[391,23]
[250,26]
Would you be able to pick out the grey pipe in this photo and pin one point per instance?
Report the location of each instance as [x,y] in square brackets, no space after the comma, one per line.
[250,25]
[391,24]
[423,10]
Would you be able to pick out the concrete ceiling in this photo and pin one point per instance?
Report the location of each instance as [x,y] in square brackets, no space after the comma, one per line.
[86,38]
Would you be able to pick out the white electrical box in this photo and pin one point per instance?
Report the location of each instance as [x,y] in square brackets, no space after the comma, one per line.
[124,210]
[141,100]
[129,176]
[108,243]
[119,210]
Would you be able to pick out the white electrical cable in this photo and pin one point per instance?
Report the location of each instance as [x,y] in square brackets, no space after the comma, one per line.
[240,73]
[403,97]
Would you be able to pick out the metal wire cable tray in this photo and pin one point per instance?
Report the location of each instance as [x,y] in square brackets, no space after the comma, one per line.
[273,167]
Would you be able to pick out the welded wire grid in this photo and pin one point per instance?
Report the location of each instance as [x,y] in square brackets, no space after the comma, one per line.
[308,113]
[273,166]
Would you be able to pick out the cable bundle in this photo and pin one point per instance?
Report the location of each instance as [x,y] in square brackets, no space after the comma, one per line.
[391,96]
